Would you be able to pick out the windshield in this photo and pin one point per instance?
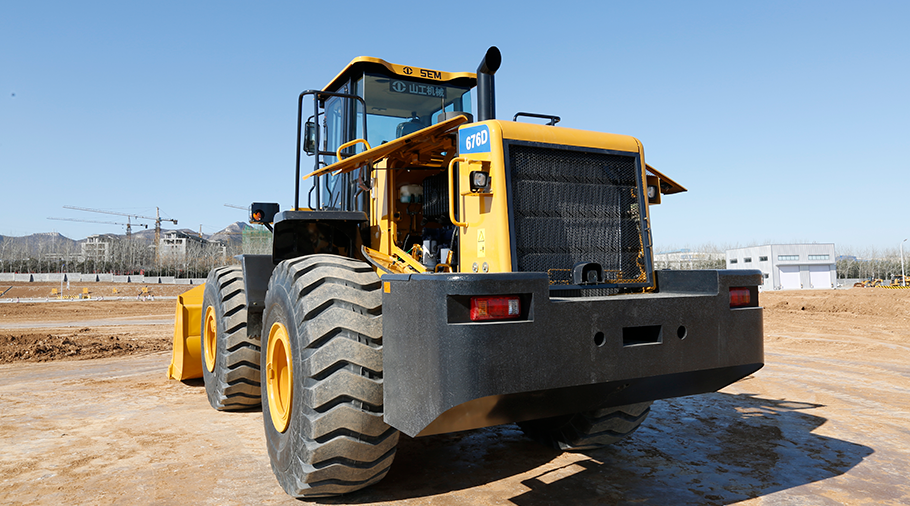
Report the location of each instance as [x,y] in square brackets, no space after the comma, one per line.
[397,107]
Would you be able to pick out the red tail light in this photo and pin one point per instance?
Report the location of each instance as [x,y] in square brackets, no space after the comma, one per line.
[495,308]
[740,297]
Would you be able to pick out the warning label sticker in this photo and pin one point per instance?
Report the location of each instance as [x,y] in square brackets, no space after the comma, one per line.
[481,243]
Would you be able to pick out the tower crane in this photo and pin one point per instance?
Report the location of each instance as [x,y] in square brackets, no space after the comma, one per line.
[157,219]
[127,224]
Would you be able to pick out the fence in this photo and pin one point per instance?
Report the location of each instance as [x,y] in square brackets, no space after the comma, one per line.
[76,277]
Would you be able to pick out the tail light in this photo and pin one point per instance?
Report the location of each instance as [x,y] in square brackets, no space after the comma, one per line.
[495,308]
[740,297]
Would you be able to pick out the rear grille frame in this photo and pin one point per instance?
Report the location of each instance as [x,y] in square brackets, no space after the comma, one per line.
[510,147]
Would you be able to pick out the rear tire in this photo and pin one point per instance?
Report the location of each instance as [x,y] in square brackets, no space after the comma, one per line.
[230,344]
[322,377]
[589,430]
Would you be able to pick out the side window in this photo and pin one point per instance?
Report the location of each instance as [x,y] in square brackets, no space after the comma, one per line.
[334,137]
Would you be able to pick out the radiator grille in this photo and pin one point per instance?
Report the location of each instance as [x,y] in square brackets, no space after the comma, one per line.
[571,206]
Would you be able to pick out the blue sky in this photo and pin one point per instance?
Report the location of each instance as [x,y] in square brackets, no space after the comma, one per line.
[787,121]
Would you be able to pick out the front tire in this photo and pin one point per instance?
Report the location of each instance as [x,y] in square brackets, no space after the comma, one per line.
[230,344]
[322,377]
[589,430]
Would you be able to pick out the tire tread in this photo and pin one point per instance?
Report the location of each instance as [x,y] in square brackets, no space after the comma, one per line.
[344,443]
[235,383]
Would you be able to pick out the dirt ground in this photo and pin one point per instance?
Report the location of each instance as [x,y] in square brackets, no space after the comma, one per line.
[826,421]
[37,330]
[105,291]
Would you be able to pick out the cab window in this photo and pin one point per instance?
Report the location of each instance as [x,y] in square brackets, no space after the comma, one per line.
[398,107]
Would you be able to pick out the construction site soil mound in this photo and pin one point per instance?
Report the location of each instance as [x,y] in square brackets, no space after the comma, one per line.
[879,302]
[82,343]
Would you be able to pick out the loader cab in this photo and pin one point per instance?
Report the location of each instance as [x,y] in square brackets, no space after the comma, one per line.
[397,100]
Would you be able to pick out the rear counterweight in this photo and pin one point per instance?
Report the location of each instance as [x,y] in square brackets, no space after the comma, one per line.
[445,373]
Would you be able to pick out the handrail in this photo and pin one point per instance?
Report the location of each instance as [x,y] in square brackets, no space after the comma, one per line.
[452,190]
[553,119]
[349,144]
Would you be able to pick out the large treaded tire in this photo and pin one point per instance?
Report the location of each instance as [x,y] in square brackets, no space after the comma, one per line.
[589,430]
[233,383]
[336,440]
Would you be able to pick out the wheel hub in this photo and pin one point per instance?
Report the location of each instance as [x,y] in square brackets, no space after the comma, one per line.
[279,376]
[210,338]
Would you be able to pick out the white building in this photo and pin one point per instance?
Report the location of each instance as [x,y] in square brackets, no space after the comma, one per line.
[789,266]
[97,248]
[177,247]
[173,245]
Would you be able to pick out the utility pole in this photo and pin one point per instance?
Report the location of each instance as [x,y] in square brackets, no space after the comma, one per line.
[158,237]
[903,275]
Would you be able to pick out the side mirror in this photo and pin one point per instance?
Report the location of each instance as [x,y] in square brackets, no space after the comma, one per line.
[309,138]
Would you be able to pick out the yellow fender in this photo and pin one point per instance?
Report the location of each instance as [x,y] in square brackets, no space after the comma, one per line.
[186,362]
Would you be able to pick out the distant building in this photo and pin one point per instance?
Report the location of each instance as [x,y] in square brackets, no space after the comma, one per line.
[175,245]
[97,248]
[788,266]
[685,259]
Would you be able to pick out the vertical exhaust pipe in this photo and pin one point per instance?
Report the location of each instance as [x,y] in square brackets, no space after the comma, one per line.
[486,92]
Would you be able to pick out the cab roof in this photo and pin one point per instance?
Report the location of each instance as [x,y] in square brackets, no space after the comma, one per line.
[364,64]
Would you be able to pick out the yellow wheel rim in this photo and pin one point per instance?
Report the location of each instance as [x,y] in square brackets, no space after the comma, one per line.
[279,376]
[210,339]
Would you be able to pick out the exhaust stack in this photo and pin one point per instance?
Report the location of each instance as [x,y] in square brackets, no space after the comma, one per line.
[486,93]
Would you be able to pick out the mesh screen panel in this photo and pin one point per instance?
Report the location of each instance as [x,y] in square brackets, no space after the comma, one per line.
[571,206]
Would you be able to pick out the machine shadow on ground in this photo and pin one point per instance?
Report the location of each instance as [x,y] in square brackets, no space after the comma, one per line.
[708,449]
[199,384]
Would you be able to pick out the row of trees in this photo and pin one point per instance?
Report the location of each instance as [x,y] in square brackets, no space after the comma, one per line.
[852,263]
[706,256]
[113,254]
[871,263]
[116,254]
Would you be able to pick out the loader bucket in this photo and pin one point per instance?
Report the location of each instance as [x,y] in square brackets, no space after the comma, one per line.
[186,362]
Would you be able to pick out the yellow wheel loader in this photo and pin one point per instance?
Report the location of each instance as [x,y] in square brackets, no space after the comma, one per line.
[898,282]
[451,271]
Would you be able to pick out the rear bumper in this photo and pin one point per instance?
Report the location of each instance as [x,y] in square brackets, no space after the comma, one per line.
[443,373]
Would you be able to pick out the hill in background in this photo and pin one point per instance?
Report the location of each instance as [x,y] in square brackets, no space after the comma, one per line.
[232,234]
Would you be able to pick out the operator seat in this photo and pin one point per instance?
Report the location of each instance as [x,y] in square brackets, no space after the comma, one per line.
[410,126]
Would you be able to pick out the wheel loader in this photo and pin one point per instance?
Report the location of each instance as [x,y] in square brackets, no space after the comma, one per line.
[449,271]
[898,281]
